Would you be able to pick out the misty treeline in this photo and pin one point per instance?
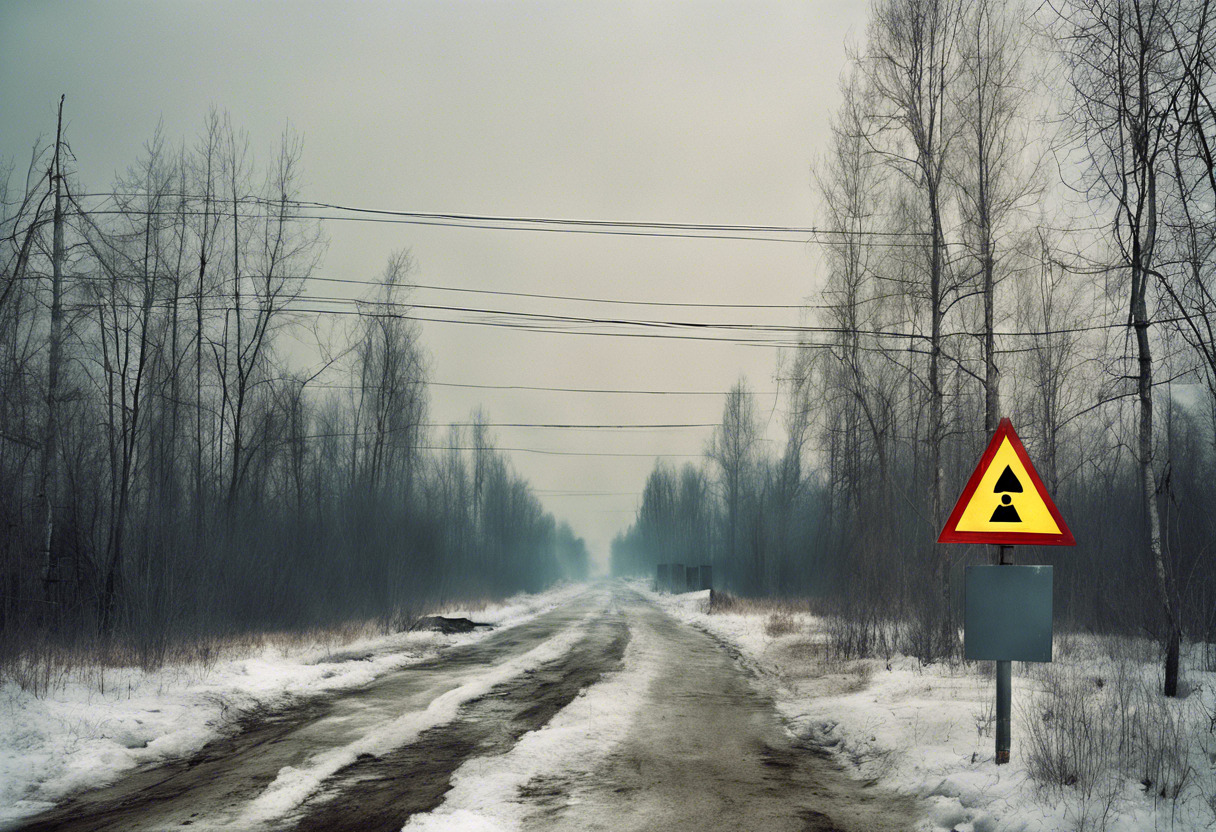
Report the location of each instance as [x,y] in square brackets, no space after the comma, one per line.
[168,468]
[1019,209]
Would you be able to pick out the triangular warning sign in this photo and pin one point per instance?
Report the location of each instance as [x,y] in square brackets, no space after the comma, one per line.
[1005,501]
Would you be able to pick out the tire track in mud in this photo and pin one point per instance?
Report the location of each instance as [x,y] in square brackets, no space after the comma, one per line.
[387,790]
[230,771]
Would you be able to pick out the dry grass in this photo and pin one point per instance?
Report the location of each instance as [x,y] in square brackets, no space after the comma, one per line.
[724,602]
[831,670]
[781,624]
[470,604]
[41,664]
[808,665]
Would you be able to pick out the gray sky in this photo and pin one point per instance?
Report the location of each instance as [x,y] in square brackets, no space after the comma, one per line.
[681,112]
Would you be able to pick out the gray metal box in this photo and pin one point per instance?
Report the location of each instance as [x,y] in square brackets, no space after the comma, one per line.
[1008,615]
[679,579]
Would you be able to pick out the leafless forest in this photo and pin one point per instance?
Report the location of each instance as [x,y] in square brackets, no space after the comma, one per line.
[1019,208]
[1019,218]
[168,477]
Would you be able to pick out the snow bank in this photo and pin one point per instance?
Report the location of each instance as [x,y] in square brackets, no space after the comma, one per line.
[105,722]
[485,790]
[928,731]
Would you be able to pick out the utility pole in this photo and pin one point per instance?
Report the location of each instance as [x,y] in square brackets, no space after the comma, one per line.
[50,435]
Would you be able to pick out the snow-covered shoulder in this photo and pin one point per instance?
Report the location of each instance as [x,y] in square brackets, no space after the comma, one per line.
[927,730]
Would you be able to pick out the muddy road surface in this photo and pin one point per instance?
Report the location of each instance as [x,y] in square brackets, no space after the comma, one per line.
[603,714]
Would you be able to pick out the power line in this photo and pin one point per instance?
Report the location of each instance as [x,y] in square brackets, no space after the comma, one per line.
[633,228]
[550,426]
[545,451]
[761,329]
[587,319]
[545,323]
[766,229]
[485,226]
[490,226]
[495,292]
[599,390]
[504,293]
[538,388]
[560,493]
[536,320]
[800,344]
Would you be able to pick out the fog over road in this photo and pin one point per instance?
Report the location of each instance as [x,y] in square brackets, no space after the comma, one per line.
[604,713]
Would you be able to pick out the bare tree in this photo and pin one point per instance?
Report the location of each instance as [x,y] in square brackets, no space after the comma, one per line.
[1126,78]
[273,251]
[733,449]
[991,97]
[204,183]
[912,65]
[133,261]
[391,399]
[1050,309]
[1187,275]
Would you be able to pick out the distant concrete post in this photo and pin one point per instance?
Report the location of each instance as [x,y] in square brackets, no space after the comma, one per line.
[663,583]
[677,577]
[707,577]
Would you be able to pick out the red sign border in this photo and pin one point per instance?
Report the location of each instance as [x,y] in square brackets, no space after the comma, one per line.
[951,534]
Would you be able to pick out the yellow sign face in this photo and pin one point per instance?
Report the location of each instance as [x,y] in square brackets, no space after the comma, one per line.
[1006,500]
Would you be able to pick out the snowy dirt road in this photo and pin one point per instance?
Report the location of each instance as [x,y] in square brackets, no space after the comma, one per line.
[604,713]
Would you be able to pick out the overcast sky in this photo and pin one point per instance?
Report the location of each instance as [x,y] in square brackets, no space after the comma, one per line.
[674,112]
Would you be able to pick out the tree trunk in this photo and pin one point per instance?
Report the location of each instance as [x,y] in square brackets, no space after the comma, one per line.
[1142,248]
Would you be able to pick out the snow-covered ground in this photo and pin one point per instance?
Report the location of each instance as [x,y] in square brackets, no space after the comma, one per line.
[84,734]
[929,730]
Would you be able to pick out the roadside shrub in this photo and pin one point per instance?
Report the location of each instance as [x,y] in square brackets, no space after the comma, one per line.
[1087,735]
[780,624]
[722,602]
[860,633]
[1069,732]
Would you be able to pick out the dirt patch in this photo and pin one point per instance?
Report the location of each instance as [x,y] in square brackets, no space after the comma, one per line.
[446,625]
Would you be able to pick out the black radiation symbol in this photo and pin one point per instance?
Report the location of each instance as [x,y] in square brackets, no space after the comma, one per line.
[1006,513]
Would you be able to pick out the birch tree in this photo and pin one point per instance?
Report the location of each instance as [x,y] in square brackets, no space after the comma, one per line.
[1125,76]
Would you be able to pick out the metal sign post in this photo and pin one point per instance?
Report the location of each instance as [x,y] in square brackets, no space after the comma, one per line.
[1008,611]
[1004,683]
